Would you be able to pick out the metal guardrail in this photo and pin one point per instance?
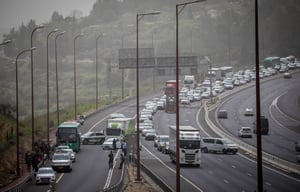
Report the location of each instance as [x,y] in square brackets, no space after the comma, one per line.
[268,158]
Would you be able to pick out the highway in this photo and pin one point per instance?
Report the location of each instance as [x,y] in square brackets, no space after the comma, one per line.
[279,104]
[218,172]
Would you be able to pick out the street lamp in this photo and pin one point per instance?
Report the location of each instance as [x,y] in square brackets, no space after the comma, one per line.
[32,88]
[54,31]
[79,35]
[17,108]
[98,37]
[56,76]
[179,8]
[5,42]
[139,16]
[258,124]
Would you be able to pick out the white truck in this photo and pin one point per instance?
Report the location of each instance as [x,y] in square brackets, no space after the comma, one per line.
[189,145]
[189,81]
[117,127]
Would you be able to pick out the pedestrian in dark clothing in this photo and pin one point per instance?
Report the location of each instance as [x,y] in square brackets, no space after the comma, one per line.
[122,159]
[34,162]
[110,160]
[114,144]
[28,158]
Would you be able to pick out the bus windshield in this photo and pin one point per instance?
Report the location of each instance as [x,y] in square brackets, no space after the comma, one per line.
[67,135]
[190,144]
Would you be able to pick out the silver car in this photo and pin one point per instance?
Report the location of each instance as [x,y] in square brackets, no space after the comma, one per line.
[45,175]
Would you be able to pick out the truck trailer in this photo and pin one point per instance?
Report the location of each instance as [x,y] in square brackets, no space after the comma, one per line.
[117,127]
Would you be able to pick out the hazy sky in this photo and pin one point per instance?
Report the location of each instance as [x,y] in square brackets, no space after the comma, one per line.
[14,12]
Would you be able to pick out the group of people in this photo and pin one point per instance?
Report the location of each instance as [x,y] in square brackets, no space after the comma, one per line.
[122,156]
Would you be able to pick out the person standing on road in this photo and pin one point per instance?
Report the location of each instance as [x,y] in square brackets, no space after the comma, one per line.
[110,160]
[124,148]
[121,161]
[114,144]
[28,157]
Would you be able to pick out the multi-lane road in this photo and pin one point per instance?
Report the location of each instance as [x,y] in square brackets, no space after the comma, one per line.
[218,172]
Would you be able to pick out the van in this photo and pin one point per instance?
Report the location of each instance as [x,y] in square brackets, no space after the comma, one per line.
[224,145]
[264,125]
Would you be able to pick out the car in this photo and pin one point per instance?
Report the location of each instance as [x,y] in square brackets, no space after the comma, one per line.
[222,114]
[108,143]
[245,132]
[150,135]
[248,112]
[161,141]
[223,145]
[287,75]
[59,147]
[185,101]
[45,175]
[72,153]
[165,148]
[94,137]
[61,161]
[147,130]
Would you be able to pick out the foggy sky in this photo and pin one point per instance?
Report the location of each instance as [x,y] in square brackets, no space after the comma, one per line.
[15,12]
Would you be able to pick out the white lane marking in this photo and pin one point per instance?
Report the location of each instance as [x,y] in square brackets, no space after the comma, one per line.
[195,186]
[110,172]
[249,174]
[269,184]
[233,166]
[226,181]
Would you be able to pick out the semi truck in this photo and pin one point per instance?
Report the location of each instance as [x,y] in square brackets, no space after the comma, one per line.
[116,127]
[189,145]
[189,81]
[170,92]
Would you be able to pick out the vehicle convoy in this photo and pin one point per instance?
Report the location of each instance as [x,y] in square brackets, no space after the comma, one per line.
[93,137]
[170,92]
[68,134]
[223,145]
[117,127]
[189,145]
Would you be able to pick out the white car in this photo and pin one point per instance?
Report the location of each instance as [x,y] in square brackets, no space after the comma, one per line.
[45,175]
[245,132]
[61,161]
[108,143]
[248,112]
[72,153]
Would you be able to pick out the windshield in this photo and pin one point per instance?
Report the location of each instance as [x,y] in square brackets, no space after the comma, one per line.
[113,132]
[60,157]
[164,139]
[67,135]
[188,144]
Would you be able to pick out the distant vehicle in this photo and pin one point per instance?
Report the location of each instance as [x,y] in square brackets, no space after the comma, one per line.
[224,145]
[185,101]
[116,115]
[287,75]
[117,127]
[45,175]
[61,161]
[170,92]
[94,137]
[264,126]
[248,112]
[245,132]
[189,81]
[189,149]
[80,119]
[69,151]
[68,134]
[271,61]
[222,113]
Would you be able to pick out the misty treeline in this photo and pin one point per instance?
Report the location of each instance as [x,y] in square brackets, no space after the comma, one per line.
[217,23]
[221,29]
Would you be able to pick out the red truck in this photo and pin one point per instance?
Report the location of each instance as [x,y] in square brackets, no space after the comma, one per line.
[170,92]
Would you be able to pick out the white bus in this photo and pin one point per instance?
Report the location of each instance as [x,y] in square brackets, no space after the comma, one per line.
[189,148]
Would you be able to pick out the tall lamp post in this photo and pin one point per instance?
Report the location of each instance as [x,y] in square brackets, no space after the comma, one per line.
[48,126]
[258,121]
[179,8]
[139,16]
[17,107]
[32,88]
[56,76]
[98,37]
[74,46]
